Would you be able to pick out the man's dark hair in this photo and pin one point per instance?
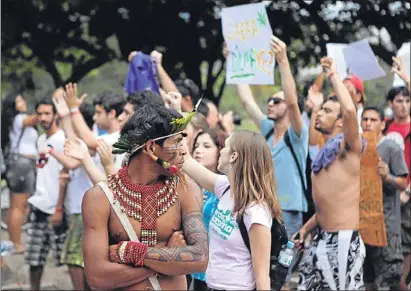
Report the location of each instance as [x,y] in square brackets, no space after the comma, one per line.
[203,107]
[334,98]
[187,87]
[87,110]
[111,101]
[145,124]
[376,109]
[146,97]
[397,91]
[46,101]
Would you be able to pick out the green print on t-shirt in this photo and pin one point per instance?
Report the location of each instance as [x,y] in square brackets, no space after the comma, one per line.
[224,221]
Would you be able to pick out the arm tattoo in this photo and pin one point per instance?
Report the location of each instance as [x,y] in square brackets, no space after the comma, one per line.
[197,242]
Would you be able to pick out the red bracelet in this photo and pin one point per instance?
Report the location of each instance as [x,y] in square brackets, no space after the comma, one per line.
[59,209]
[134,254]
[74,113]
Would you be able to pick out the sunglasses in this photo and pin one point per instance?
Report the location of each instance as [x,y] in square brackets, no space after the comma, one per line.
[275,100]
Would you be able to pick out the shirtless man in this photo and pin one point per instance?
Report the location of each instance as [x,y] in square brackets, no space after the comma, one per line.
[111,259]
[335,258]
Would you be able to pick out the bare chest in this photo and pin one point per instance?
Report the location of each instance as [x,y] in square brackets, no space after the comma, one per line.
[167,223]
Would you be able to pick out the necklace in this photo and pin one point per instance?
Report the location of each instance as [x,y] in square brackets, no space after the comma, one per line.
[144,203]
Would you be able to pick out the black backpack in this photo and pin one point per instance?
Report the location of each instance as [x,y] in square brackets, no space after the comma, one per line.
[307,188]
[279,239]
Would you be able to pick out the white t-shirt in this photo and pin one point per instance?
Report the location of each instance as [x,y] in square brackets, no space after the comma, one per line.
[47,183]
[79,183]
[229,265]
[110,139]
[28,140]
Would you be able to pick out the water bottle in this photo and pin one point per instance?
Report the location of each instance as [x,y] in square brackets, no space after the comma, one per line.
[286,255]
[279,267]
[6,247]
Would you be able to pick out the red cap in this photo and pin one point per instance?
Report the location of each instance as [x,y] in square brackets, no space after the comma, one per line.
[357,82]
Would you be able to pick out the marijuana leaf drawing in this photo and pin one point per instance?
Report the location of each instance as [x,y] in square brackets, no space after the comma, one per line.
[262,18]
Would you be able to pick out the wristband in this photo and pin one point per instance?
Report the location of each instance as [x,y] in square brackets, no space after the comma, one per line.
[59,209]
[331,74]
[74,111]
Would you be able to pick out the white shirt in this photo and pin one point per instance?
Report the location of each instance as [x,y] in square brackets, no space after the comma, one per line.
[359,117]
[28,140]
[47,183]
[229,265]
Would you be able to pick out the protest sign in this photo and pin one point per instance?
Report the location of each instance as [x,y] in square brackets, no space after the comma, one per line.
[404,53]
[361,60]
[335,51]
[372,224]
[247,33]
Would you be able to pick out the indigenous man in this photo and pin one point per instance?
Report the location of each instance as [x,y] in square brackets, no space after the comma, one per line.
[143,205]
[335,258]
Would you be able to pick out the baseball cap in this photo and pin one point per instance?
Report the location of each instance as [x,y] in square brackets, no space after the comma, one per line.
[358,84]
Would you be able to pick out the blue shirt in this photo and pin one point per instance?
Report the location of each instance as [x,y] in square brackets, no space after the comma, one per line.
[290,192]
[210,205]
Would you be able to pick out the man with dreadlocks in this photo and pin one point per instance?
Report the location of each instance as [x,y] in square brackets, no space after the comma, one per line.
[129,223]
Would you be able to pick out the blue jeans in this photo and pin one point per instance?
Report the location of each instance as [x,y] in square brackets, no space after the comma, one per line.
[293,221]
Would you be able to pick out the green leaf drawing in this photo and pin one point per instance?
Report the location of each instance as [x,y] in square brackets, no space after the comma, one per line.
[262,18]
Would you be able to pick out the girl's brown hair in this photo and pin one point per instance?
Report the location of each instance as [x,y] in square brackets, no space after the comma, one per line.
[253,173]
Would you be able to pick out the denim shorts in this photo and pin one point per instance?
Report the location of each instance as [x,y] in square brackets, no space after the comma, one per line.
[21,174]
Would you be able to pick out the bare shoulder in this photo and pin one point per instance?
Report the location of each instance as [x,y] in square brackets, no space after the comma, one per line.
[189,194]
[95,204]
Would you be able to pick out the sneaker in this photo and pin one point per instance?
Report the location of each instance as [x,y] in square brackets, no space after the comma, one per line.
[6,247]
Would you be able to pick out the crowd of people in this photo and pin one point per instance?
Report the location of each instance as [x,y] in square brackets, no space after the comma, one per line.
[157,190]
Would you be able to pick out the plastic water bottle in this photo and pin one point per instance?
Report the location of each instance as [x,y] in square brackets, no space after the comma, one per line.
[286,255]
[279,271]
[6,247]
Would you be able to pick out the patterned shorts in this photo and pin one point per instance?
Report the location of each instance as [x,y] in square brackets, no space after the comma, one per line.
[334,261]
[383,265]
[73,246]
[41,237]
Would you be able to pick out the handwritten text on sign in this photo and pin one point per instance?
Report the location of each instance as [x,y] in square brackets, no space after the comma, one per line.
[247,33]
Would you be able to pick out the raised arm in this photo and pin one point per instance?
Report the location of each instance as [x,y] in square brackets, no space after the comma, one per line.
[288,84]
[30,120]
[102,274]
[317,99]
[349,113]
[188,259]
[398,68]
[200,174]
[79,124]
[166,82]
[78,150]
[64,113]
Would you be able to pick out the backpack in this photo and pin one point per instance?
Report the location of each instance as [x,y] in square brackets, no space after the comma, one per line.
[306,188]
[279,239]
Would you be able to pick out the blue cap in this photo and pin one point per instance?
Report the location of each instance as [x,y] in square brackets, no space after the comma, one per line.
[290,244]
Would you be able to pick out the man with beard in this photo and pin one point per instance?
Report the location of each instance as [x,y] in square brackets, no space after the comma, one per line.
[335,258]
[46,204]
[133,218]
[283,120]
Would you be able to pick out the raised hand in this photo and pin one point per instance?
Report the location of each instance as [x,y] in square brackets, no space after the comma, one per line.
[76,149]
[60,103]
[157,56]
[104,150]
[398,68]
[279,48]
[329,66]
[173,100]
[72,99]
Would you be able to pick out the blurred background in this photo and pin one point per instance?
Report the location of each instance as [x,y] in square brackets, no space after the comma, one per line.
[45,44]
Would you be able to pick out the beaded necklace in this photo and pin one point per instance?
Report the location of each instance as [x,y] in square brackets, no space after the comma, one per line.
[144,203]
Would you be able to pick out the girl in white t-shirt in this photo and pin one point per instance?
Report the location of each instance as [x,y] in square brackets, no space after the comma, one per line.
[18,143]
[246,162]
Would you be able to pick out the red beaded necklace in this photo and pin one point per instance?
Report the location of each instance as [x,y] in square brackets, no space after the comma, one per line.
[144,202]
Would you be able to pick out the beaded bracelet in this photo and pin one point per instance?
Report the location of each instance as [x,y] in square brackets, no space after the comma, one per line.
[131,253]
